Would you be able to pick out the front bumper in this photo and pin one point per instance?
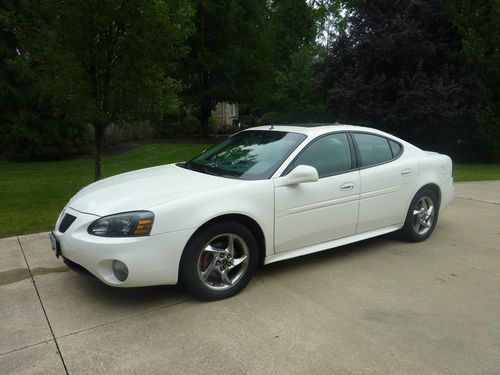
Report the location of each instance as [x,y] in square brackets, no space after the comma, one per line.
[151,260]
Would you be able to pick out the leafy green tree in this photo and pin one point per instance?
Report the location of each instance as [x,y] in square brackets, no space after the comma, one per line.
[287,89]
[396,68]
[329,16]
[8,47]
[478,24]
[104,62]
[290,90]
[31,126]
[227,54]
[291,29]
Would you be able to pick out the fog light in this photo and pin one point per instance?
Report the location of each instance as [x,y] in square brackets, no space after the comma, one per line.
[120,270]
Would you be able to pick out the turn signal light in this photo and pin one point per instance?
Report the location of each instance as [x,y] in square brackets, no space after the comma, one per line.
[143,226]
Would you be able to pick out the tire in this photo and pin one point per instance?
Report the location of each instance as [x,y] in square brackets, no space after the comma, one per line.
[213,269]
[421,217]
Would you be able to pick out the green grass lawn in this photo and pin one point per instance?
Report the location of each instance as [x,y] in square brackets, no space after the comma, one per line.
[33,194]
[476,172]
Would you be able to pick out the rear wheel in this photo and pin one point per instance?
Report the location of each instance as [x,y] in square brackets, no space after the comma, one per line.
[219,261]
[422,216]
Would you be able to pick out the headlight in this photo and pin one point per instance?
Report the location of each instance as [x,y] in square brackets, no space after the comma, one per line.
[127,224]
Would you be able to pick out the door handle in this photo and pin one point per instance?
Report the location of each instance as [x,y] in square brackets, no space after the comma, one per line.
[406,172]
[347,186]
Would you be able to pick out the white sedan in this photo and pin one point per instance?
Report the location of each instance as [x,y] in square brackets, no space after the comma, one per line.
[261,196]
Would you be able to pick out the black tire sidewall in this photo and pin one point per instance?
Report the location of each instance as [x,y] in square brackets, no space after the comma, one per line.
[188,270]
[408,231]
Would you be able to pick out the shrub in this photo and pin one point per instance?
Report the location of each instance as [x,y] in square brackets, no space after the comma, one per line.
[302,117]
[246,121]
[126,132]
[190,125]
[32,137]
[270,118]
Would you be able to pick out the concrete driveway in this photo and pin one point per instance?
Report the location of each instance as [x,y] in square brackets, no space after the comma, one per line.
[380,306]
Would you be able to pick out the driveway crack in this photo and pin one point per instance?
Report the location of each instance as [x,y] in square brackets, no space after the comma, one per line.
[26,347]
[43,307]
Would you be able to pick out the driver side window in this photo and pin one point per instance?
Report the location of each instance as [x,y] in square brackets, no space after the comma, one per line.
[330,155]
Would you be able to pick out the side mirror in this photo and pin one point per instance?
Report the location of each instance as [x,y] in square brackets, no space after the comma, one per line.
[298,175]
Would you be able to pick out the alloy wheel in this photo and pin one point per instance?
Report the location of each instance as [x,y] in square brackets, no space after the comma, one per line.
[423,215]
[223,261]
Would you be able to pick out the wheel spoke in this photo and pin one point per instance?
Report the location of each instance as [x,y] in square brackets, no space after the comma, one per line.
[417,226]
[225,277]
[424,204]
[230,245]
[430,211]
[214,250]
[208,271]
[238,261]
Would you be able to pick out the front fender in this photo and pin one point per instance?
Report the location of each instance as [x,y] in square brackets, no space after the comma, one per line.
[254,199]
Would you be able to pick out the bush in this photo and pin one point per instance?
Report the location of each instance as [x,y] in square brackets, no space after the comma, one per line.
[191,125]
[302,117]
[271,118]
[126,132]
[247,121]
[31,138]
[174,126]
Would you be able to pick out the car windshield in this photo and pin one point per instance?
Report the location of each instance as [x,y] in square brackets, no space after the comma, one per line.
[249,155]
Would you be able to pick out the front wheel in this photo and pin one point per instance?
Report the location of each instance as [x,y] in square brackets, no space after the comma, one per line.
[219,261]
[422,216]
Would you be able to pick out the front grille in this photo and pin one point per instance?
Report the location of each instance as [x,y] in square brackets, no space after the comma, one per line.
[66,222]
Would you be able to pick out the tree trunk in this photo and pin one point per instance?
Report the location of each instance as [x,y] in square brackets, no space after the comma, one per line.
[205,112]
[99,147]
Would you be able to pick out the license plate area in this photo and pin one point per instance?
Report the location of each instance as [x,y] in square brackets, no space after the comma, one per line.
[56,246]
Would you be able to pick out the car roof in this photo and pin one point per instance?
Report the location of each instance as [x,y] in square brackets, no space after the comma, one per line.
[313,130]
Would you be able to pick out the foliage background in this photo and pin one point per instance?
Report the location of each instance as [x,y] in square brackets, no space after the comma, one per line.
[74,75]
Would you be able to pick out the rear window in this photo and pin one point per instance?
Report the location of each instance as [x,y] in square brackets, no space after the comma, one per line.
[373,149]
[395,147]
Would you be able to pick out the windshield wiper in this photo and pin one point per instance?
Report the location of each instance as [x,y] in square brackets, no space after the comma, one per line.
[211,172]
[185,164]
[208,171]
[202,169]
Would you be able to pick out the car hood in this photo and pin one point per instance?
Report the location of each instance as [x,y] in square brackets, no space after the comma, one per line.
[143,189]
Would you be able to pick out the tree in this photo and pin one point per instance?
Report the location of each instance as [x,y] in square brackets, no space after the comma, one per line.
[479,28]
[104,62]
[287,87]
[291,29]
[395,67]
[290,90]
[8,46]
[329,17]
[227,54]
[32,128]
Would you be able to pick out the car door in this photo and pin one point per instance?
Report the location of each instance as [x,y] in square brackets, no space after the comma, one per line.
[388,176]
[315,212]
